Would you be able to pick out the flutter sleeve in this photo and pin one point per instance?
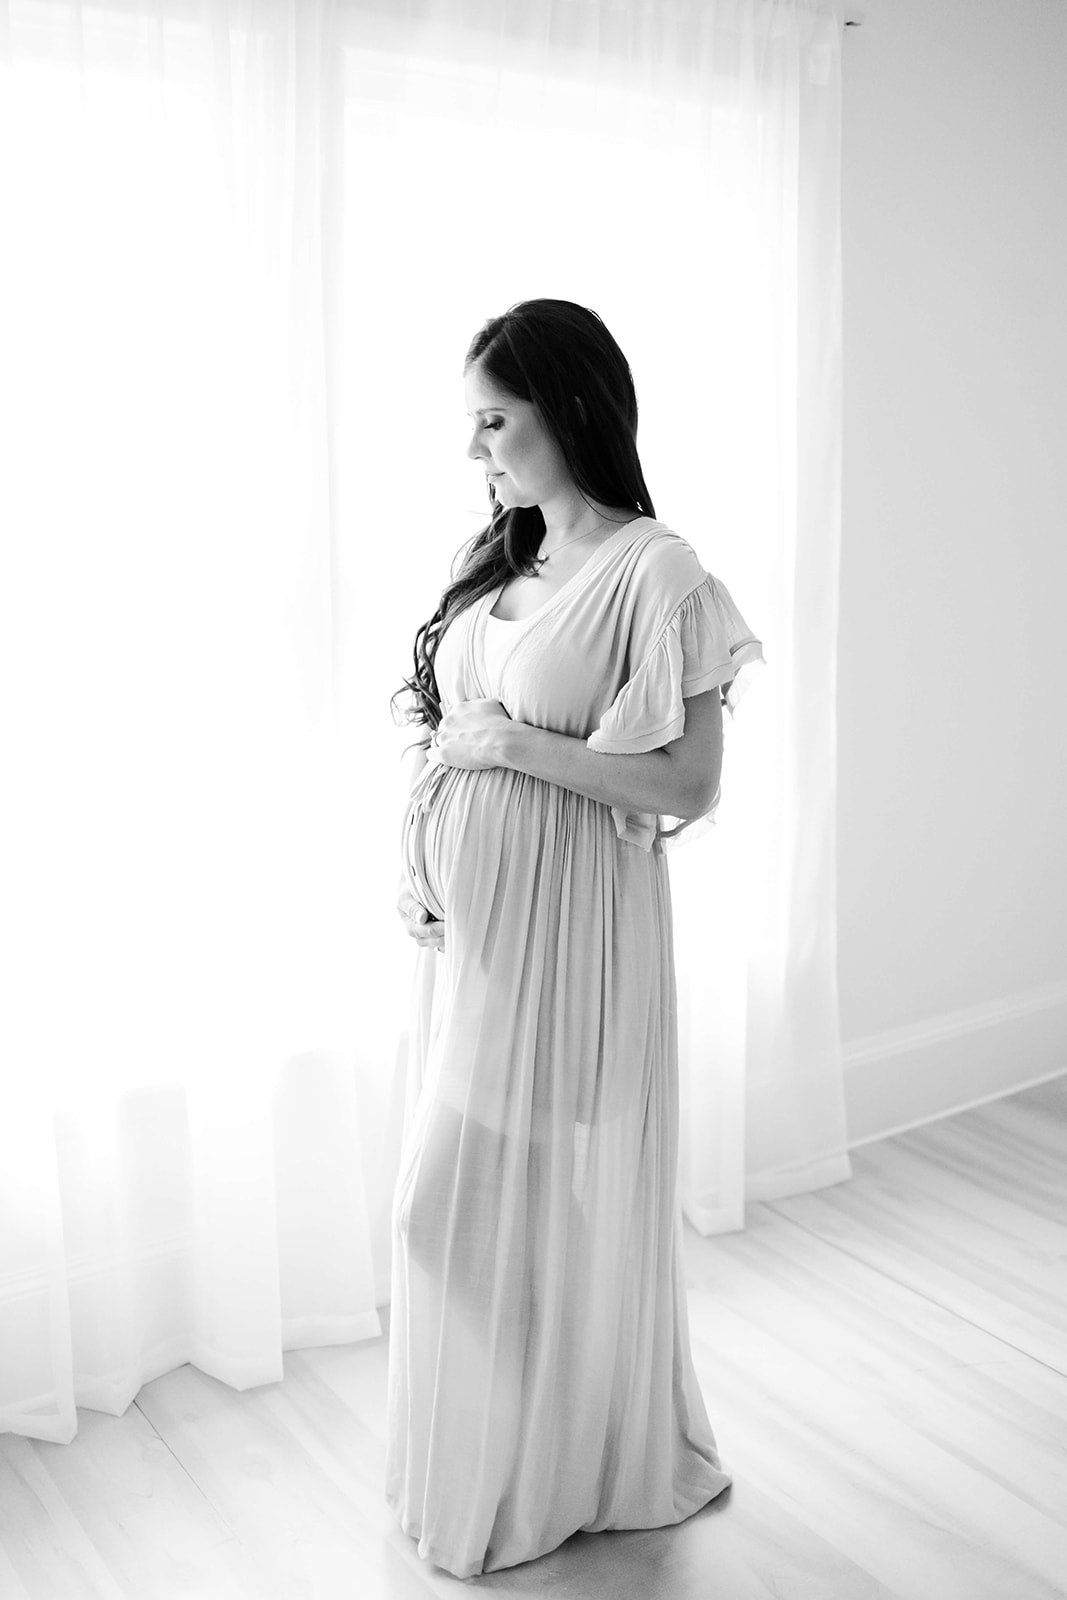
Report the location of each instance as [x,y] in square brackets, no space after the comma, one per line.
[704,644]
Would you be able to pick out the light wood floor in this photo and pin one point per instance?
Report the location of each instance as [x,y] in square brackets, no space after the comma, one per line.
[884,1362]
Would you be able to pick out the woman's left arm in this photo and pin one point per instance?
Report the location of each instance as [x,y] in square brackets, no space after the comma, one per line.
[677,780]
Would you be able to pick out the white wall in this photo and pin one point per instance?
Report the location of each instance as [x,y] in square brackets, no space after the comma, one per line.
[952,681]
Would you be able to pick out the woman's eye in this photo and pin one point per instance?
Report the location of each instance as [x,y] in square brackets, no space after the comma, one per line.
[493,424]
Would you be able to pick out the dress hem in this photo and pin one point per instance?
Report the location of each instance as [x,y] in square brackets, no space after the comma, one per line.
[439,1558]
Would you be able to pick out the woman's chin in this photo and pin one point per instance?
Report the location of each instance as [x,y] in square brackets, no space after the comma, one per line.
[509,500]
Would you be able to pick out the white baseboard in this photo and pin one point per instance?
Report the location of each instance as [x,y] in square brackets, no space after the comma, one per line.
[933,1068]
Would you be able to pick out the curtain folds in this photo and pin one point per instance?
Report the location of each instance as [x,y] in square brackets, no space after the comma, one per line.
[246,247]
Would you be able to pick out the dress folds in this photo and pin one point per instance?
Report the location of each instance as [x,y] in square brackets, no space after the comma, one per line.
[540,1375]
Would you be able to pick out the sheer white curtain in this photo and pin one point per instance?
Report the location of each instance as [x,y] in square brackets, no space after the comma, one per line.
[246,246]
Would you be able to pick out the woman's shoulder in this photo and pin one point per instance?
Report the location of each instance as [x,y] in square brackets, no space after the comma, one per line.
[662,556]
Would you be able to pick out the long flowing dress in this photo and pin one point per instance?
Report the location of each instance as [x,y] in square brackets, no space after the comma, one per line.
[540,1375]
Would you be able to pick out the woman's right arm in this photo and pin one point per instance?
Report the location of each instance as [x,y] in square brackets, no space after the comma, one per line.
[424,929]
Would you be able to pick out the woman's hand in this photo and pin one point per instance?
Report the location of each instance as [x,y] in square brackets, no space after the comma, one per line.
[427,932]
[470,735]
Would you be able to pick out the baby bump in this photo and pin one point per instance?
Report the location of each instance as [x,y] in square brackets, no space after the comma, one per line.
[450,810]
[421,845]
[478,839]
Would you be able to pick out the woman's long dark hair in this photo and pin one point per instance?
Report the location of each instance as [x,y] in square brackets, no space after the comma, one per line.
[561,357]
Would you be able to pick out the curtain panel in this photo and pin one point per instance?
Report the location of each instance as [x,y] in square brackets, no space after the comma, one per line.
[245,248]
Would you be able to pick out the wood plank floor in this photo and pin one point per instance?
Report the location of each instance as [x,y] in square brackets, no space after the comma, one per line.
[884,1362]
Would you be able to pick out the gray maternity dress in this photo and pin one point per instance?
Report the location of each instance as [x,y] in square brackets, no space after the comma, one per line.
[540,1376]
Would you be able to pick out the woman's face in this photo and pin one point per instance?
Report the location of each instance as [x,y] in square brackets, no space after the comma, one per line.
[517,453]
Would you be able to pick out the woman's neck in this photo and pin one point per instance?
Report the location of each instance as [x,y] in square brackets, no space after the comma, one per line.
[578,520]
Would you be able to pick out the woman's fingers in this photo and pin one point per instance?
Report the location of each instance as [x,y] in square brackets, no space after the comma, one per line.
[411,909]
[424,929]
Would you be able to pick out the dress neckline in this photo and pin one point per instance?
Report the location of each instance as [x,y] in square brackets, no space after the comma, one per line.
[586,566]
[511,622]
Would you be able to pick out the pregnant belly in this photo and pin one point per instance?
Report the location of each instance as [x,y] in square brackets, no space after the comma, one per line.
[449,811]
[466,833]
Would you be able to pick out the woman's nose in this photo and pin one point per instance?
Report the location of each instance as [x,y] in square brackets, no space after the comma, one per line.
[476,449]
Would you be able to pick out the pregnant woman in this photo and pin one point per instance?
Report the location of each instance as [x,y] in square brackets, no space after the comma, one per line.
[571,682]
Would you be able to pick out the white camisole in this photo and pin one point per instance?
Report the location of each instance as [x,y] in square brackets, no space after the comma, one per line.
[500,637]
